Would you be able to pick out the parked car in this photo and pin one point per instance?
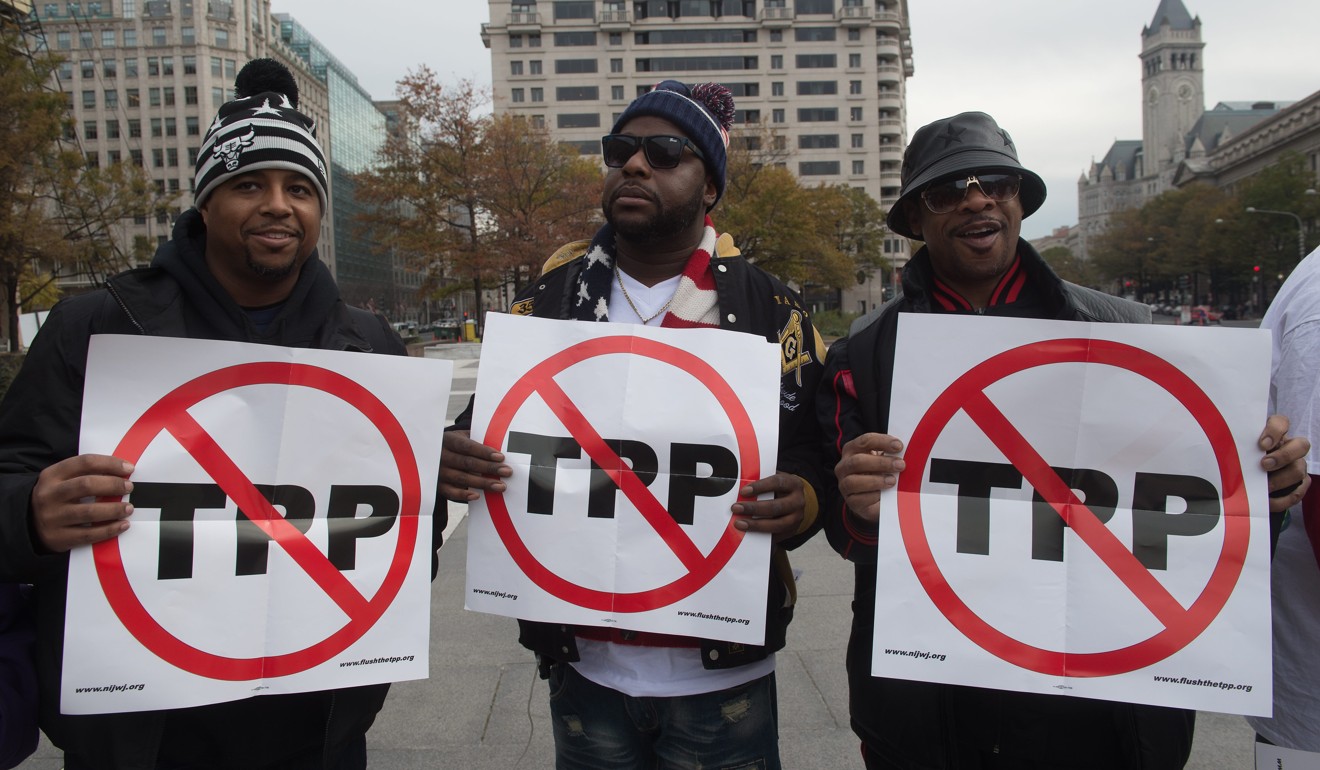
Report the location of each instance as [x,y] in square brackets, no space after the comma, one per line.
[1204,314]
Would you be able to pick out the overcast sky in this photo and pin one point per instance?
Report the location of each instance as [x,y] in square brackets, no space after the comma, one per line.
[1062,76]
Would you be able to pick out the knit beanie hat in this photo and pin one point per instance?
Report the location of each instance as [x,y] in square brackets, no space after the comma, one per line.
[260,129]
[703,112]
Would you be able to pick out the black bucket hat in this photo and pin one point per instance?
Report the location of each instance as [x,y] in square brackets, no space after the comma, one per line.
[958,147]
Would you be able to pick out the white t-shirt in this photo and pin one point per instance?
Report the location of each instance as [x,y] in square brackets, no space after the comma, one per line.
[1294,320]
[655,672]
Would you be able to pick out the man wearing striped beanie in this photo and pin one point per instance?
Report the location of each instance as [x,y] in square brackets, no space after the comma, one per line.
[637,700]
[240,266]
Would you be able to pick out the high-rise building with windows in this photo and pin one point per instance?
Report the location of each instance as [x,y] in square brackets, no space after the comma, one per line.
[145,77]
[829,76]
[366,274]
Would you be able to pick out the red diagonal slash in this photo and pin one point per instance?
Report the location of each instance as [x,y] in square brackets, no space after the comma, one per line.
[259,510]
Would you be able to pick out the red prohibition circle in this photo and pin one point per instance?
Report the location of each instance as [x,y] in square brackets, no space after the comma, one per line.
[1237,524]
[542,373]
[157,419]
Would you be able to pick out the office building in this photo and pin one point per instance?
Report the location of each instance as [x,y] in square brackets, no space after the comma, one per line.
[829,76]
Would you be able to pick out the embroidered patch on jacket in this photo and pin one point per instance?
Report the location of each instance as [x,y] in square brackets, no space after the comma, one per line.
[793,352]
[522,308]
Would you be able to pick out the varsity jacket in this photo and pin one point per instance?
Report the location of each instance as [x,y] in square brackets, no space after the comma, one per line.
[39,423]
[753,302]
[928,726]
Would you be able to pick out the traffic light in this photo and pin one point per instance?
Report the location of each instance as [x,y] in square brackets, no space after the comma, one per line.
[1256,269]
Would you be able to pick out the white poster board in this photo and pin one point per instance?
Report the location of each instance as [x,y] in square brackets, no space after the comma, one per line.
[628,445]
[1157,588]
[318,578]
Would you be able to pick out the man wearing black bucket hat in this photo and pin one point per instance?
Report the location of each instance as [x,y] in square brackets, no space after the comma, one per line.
[241,266]
[965,195]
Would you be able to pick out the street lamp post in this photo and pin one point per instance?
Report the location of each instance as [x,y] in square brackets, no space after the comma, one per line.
[1301,231]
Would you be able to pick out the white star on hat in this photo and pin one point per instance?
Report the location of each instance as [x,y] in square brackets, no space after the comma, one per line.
[266,109]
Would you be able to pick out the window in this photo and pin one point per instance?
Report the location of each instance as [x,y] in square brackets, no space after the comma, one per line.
[87,68]
[817,88]
[167,65]
[172,157]
[158,36]
[574,66]
[859,167]
[174,185]
[109,68]
[89,99]
[113,156]
[153,66]
[134,129]
[158,158]
[563,39]
[818,142]
[85,40]
[222,38]
[107,38]
[777,88]
[49,10]
[518,95]
[534,66]
[806,61]
[217,96]
[112,129]
[616,65]
[855,114]
[616,38]
[616,93]
[578,120]
[65,71]
[111,98]
[93,159]
[192,156]
[190,65]
[215,66]
[777,116]
[776,36]
[63,41]
[818,168]
[776,61]
[538,121]
[168,93]
[130,68]
[575,9]
[89,129]
[135,156]
[156,130]
[858,141]
[188,35]
[746,116]
[133,97]
[515,68]
[814,6]
[814,34]
[577,94]
[854,61]
[534,40]
[171,127]
[817,115]
[130,38]
[515,41]
[190,95]
[153,97]
[230,69]
[855,87]
[854,35]
[538,94]
[191,126]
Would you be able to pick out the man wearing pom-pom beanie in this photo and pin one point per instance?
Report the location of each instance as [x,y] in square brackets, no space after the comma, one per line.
[241,266]
[622,699]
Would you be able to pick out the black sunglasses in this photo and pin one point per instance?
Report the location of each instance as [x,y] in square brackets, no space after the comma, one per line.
[662,150]
[943,198]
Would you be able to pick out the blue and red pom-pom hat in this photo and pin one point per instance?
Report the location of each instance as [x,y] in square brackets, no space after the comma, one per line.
[704,112]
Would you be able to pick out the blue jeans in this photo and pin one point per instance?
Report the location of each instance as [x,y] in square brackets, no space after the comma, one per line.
[597,728]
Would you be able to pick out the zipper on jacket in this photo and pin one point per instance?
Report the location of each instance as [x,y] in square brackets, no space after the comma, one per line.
[110,287]
[325,740]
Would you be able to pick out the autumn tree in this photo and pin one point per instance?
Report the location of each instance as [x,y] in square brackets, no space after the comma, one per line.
[539,194]
[58,218]
[820,235]
[424,193]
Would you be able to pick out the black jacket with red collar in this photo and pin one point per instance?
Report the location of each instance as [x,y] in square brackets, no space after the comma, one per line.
[928,726]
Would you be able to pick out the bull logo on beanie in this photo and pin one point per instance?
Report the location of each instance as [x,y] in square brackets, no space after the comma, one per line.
[229,151]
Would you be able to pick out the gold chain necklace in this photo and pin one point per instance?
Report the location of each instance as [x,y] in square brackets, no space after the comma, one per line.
[619,277]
